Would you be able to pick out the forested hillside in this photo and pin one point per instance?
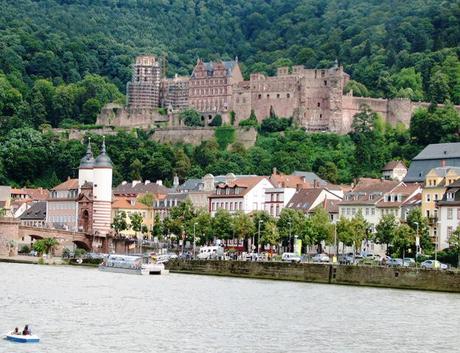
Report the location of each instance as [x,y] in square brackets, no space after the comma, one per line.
[61,61]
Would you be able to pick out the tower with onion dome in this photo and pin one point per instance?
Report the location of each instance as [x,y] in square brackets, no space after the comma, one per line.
[86,168]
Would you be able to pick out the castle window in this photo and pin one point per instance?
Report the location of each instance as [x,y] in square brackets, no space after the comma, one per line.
[260,96]
[277,96]
[319,104]
[288,95]
[325,83]
[320,116]
[268,96]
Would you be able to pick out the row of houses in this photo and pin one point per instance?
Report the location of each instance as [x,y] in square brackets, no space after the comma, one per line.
[437,194]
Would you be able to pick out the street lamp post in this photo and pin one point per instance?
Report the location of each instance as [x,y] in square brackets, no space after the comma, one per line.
[290,243]
[258,235]
[417,243]
[194,231]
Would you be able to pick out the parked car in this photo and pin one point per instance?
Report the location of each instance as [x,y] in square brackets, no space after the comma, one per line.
[290,257]
[395,262]
[321,258]
[409,262]
[432,264]
[33,253]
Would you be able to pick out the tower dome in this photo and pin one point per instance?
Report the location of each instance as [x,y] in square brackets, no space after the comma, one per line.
[103,160]
[87,162]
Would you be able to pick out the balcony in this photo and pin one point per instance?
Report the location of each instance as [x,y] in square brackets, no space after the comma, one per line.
[432,220]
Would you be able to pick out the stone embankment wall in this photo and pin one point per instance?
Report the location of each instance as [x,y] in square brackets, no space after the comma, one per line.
[404,278]
[195,135]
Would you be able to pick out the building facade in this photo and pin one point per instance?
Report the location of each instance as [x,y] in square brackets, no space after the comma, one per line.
[211,87]
[436,182]
[62,206]
[245,194]
[449,214]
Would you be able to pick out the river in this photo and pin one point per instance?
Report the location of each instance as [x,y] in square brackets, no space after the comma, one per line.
[83,310]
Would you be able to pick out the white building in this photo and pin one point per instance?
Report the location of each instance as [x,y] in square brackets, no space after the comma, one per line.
[394,170]
[245,194]
[449,214]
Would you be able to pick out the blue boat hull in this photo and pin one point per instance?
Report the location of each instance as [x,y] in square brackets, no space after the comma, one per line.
[23,339]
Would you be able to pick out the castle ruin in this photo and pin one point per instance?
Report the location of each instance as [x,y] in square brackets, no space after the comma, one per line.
[312,97]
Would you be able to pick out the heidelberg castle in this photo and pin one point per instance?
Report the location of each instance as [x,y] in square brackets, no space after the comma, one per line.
[313,97]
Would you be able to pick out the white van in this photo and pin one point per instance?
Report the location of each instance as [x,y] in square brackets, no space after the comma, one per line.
[290,257]
[211,253]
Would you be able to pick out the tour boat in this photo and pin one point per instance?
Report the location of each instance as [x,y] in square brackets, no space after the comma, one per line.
[136,265]
[22,338]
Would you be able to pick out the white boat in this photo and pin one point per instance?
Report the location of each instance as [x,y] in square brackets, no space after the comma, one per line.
[22,338]
[136,265]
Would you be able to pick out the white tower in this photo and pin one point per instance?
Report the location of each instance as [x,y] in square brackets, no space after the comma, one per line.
[102,193]
[85,170]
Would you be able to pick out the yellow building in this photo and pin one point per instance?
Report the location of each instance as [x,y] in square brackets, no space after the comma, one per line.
[131,206]
[436,182]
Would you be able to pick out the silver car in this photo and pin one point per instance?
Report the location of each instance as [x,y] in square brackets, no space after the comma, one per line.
[432,264]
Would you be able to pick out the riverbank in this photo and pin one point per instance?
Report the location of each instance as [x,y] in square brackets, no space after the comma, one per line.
[33,260]
[370,276]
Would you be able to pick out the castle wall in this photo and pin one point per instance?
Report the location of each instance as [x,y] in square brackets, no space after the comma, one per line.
[195,136]
[117,115]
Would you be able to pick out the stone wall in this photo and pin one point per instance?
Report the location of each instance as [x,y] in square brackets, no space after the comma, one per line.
[404,278]
[9,232]
[195,135]
[120,116]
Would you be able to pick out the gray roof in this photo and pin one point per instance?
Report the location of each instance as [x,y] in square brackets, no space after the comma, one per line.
[433,156]
[309,176]
[440,151]
[36,212]
[88,160]
[190,184]
[140,188]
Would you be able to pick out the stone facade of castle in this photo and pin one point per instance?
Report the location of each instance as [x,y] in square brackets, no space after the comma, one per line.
[313,97]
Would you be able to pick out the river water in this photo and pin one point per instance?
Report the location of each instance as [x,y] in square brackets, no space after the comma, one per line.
[83,310]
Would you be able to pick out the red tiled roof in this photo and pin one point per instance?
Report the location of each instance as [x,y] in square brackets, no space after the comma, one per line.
[69,184]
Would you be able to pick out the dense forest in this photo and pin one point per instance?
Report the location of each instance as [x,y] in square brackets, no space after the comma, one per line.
[62,60]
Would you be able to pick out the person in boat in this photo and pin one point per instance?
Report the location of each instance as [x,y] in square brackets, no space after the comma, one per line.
[26,331]
[15,332]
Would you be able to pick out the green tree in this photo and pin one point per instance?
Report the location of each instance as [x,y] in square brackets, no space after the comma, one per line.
[385,230]
[270,235]
[419,224]
[119,223]
[191,117]
[242,225]
[136,168]
[136,220]
[290,223]
[157,229]
[404,238]
[360,230]
[322,229]
[222,224]
[454,243]
[345,232]
[439,88]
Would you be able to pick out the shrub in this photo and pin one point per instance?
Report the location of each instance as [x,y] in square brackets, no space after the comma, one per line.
[225,135]
[251,121]
[25,249]
[217,121]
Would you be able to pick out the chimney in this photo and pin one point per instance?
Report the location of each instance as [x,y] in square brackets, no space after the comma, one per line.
[176,181]
[298,187]
[135,182]
[443,162]
[274,171]
[159,182]
[124,182]
[147,182]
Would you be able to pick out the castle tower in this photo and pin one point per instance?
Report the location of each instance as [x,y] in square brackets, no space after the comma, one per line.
[85,170]
[102,193]
[144,88]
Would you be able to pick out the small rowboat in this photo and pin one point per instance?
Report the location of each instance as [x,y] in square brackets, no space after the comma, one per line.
[22,338]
